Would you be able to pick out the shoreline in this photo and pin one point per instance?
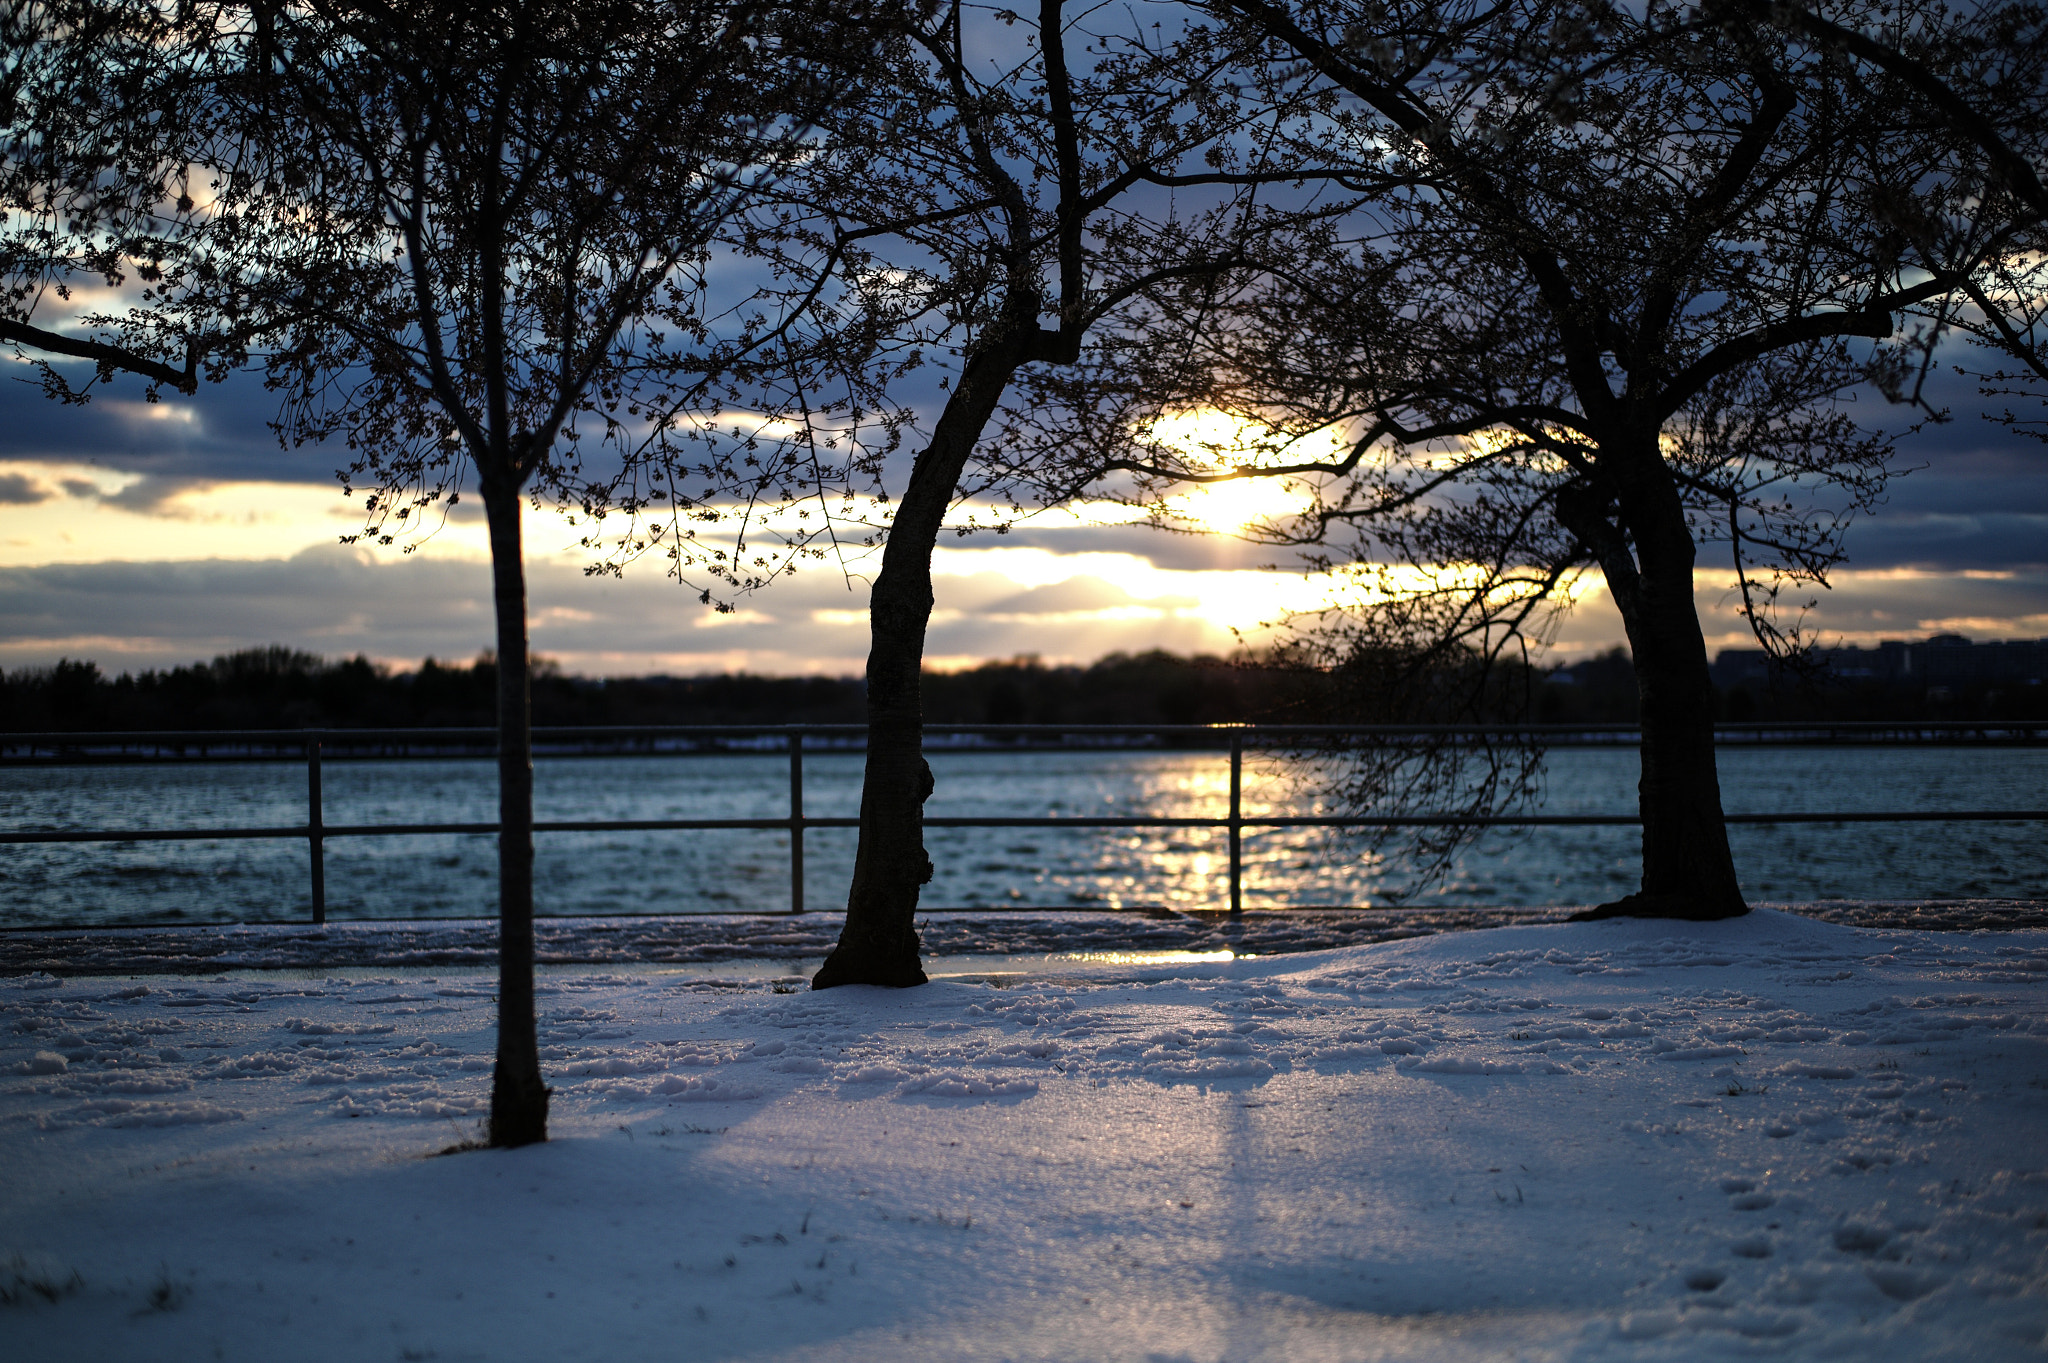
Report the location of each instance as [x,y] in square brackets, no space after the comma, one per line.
[685,940]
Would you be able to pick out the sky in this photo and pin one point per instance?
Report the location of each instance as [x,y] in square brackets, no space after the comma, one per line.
[145,535]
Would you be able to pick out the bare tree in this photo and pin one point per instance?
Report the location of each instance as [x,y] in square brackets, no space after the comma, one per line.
[1983,80]
[2009,316]
[984,209]
[1643,265]
[474,237]
[1978,74]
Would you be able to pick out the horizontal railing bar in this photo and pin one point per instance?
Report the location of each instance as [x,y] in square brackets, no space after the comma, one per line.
[1082,821]
[328,831]
[156,835]
[1471,820]
[1565,820]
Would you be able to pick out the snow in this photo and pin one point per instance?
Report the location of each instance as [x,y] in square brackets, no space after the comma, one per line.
[1771,1137]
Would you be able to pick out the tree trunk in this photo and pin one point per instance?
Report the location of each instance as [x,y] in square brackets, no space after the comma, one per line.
[878,944]
[1688,870]
[519,1097]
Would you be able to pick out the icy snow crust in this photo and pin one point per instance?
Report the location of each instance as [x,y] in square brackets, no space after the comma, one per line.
[1771,1137]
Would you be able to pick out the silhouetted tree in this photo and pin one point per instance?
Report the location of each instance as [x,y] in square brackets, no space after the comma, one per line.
[1616,315]
[473,237]
[1044,160]
[1979,78]
[97,131]
[994,212]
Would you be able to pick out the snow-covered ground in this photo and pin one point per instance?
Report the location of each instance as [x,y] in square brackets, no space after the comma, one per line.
[1774,1136]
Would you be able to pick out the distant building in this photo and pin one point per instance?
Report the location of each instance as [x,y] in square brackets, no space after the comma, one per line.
[1945,660]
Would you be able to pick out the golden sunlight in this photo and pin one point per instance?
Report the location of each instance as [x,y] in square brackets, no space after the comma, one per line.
[1210,438]
[1240,505]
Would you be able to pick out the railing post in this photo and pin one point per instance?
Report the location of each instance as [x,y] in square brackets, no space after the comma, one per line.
[796,820]
[316,845]
[1237,822]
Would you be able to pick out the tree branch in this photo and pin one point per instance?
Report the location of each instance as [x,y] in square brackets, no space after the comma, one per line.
[107,355]
[1873,319]
[2008,165]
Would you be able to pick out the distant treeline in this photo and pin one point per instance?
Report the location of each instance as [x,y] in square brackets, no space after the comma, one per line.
[278,688]
[1602,689]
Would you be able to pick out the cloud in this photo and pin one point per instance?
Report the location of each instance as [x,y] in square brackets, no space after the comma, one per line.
[1861,607]
[340,601]
[1961,543]
[327,599]
[1952,541]
[1165,548]
[1080,593]
[221,434]
[149,495]
[17,490]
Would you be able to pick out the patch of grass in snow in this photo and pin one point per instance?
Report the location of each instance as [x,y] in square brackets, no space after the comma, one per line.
[23,1276]
[476,1140]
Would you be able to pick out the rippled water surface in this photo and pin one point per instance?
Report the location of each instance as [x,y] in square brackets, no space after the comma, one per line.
[682,872]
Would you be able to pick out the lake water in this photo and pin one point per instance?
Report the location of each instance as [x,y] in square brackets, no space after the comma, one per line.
[724,871]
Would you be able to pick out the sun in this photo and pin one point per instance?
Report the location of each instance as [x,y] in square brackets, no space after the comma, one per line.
[1240,505]
[1213,439]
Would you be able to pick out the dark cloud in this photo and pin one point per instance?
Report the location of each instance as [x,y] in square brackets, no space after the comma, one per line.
[17,490]
[338,601]
[1968,476]
[219,434]
[1913,606]
[1974,501]
[327,599]
[146,494]
[1951,541]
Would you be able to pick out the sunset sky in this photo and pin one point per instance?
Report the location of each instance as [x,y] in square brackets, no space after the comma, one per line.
[142,535]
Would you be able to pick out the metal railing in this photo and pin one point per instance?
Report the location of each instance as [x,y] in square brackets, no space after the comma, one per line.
[683,740]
